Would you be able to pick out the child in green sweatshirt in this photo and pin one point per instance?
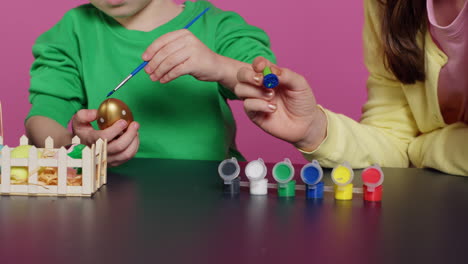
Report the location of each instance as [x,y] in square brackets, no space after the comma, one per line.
[179,106]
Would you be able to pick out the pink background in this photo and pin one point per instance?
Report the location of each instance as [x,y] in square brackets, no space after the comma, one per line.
[319,39]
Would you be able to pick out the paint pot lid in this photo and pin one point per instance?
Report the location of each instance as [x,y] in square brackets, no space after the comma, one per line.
[256,170]
[342,175]
[372,176]
[312,173]
[283,171]
[229,169]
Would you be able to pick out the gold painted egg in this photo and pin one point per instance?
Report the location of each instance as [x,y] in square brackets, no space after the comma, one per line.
[111,111]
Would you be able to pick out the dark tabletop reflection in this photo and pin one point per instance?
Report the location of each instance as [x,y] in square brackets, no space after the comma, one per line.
[169,211]
[53,228]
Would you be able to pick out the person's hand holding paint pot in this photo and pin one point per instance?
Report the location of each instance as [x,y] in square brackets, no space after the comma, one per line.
[122,138]
[288,112]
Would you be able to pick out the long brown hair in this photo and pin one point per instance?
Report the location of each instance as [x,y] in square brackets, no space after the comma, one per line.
[402,20]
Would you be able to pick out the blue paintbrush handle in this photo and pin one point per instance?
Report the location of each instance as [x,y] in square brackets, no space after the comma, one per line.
[142,65]
[196,18]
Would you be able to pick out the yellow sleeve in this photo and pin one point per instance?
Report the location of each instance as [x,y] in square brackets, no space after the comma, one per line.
[444,149]
[387,125]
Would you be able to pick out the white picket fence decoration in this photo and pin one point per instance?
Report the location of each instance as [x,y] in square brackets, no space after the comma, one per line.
[93,165]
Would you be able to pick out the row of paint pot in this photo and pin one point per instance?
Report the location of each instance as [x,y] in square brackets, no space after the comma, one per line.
[311,175]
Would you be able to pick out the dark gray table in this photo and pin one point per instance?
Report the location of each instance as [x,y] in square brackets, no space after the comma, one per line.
[169,211]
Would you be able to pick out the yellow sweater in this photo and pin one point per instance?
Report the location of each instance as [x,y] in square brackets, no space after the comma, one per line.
[401,124]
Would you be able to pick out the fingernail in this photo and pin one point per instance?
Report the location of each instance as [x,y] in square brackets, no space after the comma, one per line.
[272,107]
[136,125]
[276,70]
[269,94]
[261,65]
[122,123]
[145,57]
[147,69]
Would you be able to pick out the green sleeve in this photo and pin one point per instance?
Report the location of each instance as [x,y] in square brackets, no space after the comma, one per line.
[56,90]
[240,41]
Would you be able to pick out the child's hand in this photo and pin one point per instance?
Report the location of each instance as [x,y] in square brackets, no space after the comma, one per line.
[121,145]
[179,53]
[288,112]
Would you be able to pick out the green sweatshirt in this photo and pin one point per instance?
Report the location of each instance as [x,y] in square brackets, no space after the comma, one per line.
[87,53]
